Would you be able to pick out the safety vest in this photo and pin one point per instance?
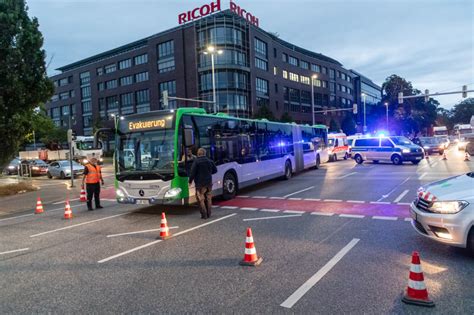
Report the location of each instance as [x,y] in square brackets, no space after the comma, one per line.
[93,175]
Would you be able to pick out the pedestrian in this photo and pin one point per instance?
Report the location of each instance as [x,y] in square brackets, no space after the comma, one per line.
[93,178]
[201,173]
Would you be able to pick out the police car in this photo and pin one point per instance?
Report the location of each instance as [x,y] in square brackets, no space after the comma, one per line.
[394,148]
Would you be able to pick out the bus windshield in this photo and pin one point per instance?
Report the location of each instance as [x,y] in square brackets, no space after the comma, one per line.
[88,145]
[146,152]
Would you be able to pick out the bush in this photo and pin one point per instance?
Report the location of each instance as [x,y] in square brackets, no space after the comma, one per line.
[13,189]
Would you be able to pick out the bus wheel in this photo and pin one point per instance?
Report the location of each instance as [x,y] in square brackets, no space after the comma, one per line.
[229,186]
[288,171]
[318,162]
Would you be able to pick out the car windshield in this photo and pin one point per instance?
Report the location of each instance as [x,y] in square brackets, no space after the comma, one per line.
[149,151]
[15,162]
[401,141]
[428,140]
[40,162]
[331,142]
[66,163]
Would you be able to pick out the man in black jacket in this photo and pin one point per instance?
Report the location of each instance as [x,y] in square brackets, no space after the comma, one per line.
[201,173]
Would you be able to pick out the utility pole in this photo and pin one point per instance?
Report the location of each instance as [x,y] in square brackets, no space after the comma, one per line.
[464,92]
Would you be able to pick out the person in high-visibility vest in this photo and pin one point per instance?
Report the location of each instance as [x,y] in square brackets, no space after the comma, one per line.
[93,178]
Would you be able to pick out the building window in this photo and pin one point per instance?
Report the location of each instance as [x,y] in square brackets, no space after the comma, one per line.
[285,74]
[324,84]
[138,60]
[293,61]
[262,101]
[220,35]
[324,70]
[86,107]
[110,68]
[102,108]
[261,64]
[126,103]
[294,77]
[64,95]
[284,57]
[55,112]
[275,53]
[86,92]
[317,83]
[112,84]
[63,81]
[126,80]
[85,78]
[166,49]
[54,98]
[294,95]
[143,101]
[332,74]
[112,105]
[261,87]
[276,88]
[65,110]
[140,77]
[305,97]
[275,70]
[87,121]
[124,64]
[304,65]
[101,86]
[166,65]
[260,47]
[315,68]
[100,71]
[169,86]
[72,93]
[305,80]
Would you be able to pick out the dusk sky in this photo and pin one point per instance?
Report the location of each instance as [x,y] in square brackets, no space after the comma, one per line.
[428,42]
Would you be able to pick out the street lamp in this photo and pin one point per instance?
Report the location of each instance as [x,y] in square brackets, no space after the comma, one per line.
[313,77]
[386,107]
[211,50]
[365,119]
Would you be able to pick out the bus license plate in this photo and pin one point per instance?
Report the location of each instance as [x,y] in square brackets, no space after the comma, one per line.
[142,202]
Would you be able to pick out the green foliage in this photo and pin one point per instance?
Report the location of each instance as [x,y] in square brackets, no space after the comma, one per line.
[45,130]
[264,112]
[23,80]
[285,117]
[462,112]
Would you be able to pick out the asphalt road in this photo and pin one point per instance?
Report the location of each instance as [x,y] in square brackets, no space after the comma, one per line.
[342,230]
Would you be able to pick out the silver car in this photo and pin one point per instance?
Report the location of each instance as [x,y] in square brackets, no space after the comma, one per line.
[444,211]
[62,169]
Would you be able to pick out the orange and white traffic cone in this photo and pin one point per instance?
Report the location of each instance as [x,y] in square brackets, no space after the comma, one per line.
[250,257]
[39,206]
[67,211]
[416,292]
[427,156]
[444,155]
[82,196]
[164,230]
[466,157]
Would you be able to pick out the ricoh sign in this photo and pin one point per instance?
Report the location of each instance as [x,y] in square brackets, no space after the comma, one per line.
[213,7]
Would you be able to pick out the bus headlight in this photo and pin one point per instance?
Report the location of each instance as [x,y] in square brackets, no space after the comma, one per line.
[119,192]
[173,192]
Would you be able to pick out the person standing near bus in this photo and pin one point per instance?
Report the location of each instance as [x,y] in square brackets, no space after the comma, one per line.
[93,178]
[201,173]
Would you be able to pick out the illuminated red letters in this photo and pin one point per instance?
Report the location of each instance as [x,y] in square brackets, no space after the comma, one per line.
[243,13]
[197,13]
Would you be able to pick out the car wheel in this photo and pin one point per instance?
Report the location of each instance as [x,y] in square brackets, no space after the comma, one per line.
[318,162]
[346,156]
[334,157]
[229,186]
[49,175]
[416,162]
[62,175]
[358,158]
[397,160]
[288,171]
[376,161]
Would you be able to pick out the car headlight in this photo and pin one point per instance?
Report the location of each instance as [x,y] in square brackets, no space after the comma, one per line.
[85,161]
[426,147]
[35,168]
[448,207]
[173,192]
[11,167]
[119,192]
[406,150]
[101,160]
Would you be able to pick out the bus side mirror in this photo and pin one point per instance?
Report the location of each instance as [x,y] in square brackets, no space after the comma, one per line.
[188,137]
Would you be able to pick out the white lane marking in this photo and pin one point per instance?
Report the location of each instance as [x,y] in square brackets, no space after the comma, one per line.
[297,192]
[242,196]
[228,207]
[326,214]
[249,209]
[64,201]
[114,200]
[404,203]
[295,198]
[312,199]
[294,211]
[140,232]
[275,217]
[376,217]
[79,224]
[14,251]
[400,197]
[354,216]
[391,191]
[422,175]
[347,175]
[332,200]
[157,241]
[270,210]
[434,164]
[408,219]
[301,291]
[39,215]
[259,197]
[278,198]
[380,202]
[355,201]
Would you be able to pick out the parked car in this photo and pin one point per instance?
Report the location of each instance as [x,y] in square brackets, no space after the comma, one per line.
[34,167]
[444,211]
[62,169]
[338,146]
[394,148]
[12,167]
[430,144]
[444,140]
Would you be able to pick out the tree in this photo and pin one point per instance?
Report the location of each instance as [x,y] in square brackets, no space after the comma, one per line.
[45,130]
[348,125]
[462,112]
[23,80]
[264,112]
[334,126]
[285,117]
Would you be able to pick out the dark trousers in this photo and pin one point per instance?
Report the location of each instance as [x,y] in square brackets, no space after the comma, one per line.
[93,190]
[204,197]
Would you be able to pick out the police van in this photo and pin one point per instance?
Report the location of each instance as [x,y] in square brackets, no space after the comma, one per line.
[395,149]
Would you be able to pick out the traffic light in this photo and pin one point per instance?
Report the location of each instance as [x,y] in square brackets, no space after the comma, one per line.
[427,97]
[165,98]
[71,135]
[354,109]
[400,97]
[464,91]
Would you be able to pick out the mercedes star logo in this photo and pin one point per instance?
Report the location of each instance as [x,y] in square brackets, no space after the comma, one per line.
[141,192]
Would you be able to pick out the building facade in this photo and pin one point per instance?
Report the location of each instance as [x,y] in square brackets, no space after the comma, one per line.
[366,91]
[254,69]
